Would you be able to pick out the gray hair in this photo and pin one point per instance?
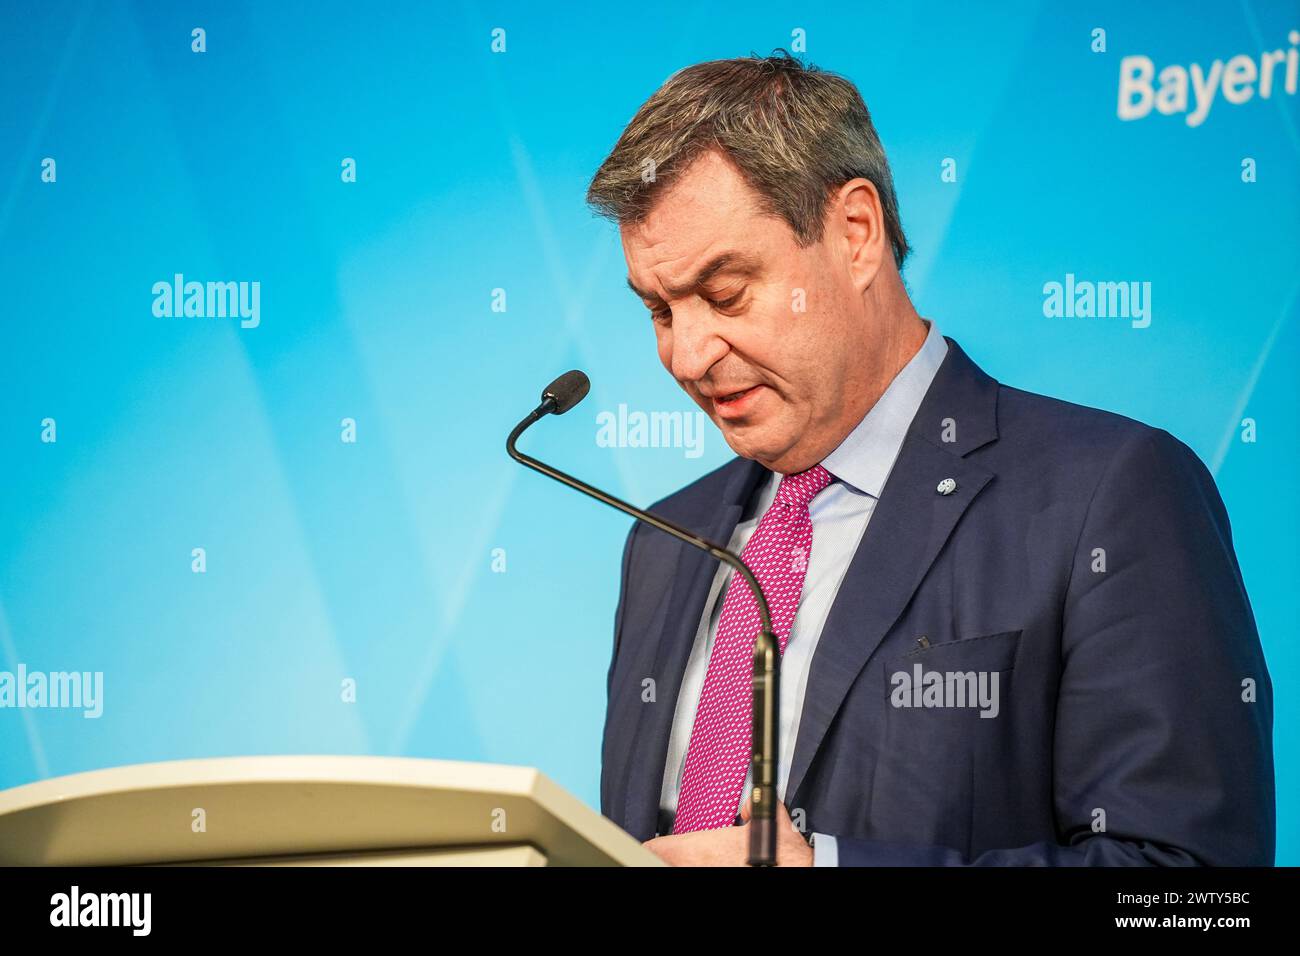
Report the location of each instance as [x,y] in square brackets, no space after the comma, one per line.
[794,132]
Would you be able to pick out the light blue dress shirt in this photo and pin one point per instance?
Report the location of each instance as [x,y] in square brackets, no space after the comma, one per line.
[840,514]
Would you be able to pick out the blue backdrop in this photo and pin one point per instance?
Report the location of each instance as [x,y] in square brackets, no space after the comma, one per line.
[469,601]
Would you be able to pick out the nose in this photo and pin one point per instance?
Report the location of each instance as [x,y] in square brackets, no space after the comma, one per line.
[697,347]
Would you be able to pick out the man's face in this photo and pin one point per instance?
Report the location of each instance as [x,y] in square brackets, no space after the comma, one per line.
[767,337]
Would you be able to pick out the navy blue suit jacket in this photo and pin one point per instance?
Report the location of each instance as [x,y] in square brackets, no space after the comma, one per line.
[1085,558]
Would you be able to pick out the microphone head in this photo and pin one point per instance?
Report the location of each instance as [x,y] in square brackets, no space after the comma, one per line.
[567,390]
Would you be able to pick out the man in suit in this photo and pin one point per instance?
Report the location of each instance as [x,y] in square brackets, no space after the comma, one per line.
[1014,629]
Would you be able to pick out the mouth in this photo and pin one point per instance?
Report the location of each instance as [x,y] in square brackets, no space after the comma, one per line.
[736,404]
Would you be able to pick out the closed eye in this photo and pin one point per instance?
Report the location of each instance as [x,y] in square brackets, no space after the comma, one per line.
[664,313]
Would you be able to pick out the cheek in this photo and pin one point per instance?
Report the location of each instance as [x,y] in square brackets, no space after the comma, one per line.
[787,340]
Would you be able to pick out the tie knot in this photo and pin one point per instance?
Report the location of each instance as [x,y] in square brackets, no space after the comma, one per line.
[802,488]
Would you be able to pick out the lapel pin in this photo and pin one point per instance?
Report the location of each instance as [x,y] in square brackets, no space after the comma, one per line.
[946,487]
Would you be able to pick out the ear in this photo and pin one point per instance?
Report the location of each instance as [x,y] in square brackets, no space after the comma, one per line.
[856,214]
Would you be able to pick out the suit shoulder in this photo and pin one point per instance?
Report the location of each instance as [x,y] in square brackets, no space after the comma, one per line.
[1079,434]
[1100,469]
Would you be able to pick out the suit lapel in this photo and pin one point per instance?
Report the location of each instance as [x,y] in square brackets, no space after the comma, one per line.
[690,589]
[911,524]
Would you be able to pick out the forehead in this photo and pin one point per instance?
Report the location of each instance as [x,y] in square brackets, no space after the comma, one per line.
[709,206]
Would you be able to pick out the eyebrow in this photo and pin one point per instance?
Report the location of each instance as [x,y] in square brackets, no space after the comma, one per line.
[731,262]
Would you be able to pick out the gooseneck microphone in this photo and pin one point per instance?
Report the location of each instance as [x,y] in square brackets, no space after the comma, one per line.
[557,398]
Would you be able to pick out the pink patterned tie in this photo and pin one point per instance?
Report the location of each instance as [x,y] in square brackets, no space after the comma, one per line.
[717,758]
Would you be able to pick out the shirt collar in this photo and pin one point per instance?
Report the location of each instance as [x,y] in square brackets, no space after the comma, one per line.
[865,458]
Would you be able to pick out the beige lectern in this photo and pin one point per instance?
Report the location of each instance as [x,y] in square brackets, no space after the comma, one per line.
[308,811]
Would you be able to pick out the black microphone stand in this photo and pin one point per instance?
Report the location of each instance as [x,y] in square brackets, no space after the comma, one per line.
[767,651]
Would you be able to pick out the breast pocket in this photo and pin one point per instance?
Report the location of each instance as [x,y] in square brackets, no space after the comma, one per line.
[988,651]
[954,677]
[949,728]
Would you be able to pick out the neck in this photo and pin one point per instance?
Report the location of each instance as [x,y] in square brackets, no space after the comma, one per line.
[897,336]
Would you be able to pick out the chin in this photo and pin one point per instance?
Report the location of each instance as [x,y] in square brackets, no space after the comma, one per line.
[750,449]
[741,448]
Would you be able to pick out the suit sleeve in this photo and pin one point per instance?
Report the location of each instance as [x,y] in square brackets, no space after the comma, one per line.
[613,661]
[1163,737]
[622,598]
